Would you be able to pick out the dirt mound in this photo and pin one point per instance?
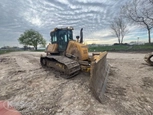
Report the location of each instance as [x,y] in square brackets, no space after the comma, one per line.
[34,90]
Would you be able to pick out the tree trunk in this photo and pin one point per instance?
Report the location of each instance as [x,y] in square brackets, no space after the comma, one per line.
[122,39]
[149,36]
[35,48]
[119,40]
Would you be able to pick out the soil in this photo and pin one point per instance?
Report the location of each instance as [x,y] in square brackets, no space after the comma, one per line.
[34,90]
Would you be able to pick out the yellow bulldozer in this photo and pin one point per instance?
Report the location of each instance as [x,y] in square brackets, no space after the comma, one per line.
[70,56]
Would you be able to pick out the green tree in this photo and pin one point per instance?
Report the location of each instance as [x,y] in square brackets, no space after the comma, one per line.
[32,38]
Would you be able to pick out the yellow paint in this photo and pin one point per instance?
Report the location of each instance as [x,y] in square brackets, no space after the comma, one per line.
[60,65]
[52,48]
[99,56]
[85,68]
[77,49]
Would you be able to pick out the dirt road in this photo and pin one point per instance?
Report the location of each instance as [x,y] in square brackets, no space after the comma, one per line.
[34,90]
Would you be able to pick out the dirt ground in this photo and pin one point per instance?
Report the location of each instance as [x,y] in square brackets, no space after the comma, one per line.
[33,90]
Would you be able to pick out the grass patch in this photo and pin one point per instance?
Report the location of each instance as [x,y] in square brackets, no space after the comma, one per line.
[116,48]
[6,51]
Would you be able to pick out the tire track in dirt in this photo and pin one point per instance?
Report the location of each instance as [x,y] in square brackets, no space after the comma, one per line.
[34,90]
[128,75]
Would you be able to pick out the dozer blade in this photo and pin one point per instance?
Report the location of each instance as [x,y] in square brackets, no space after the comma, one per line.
[149,58]
[98,76]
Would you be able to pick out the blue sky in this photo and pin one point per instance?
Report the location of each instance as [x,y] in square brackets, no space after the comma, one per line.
[94,16]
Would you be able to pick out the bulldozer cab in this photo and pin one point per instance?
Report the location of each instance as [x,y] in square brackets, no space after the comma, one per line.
[61,37]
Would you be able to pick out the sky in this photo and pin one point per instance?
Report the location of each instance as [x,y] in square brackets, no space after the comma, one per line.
[94,16]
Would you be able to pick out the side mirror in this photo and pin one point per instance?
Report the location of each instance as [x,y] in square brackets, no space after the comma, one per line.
[77,37]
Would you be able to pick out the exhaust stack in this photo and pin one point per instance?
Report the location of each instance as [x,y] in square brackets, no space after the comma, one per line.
[81,35]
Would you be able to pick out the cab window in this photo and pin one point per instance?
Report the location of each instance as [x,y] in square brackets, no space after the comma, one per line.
[70,35]
[53,37]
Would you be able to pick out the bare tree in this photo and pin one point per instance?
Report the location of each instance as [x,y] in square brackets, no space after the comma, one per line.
[140,12]
[119,28]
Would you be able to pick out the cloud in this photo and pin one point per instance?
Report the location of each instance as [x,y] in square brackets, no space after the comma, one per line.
[44,15]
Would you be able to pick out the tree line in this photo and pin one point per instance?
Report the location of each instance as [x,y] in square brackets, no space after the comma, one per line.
[136,12]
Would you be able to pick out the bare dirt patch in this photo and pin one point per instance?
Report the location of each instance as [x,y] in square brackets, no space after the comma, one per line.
[34,90]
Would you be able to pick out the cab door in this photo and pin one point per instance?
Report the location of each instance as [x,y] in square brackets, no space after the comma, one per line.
[62,40]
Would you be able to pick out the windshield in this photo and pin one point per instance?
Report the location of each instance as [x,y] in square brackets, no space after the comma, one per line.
[65,35]
[63,38]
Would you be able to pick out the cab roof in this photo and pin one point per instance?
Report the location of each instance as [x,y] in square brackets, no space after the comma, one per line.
[66,28]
